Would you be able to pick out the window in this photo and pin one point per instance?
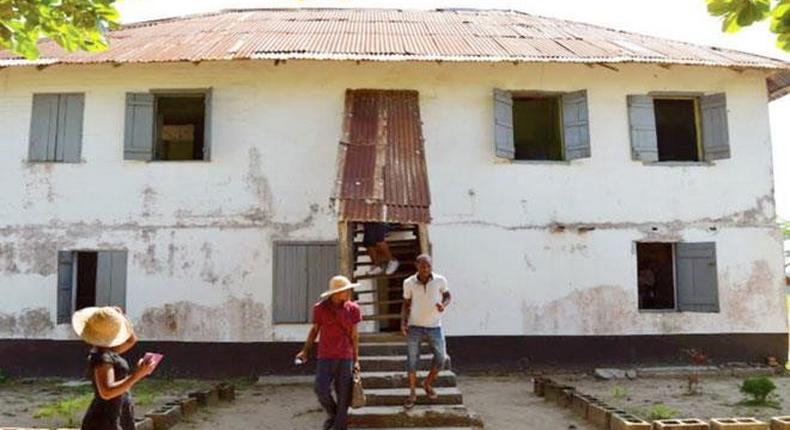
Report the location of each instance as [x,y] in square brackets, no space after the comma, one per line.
[687,128]
[301,273]
[677,276]
[541,126]
[90,278]
[167,126]
[56,128]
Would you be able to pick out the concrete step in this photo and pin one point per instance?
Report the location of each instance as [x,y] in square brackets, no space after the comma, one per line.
[433,428]
[379,363]
[420,416]
[381,302]
[398,396]
[381,317]
[389,348]
[399,379]
[379,337]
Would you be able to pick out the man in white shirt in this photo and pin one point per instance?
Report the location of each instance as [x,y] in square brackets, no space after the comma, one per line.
[426,296]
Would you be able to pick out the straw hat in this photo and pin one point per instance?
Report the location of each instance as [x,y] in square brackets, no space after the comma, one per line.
[338,284]
[104,327]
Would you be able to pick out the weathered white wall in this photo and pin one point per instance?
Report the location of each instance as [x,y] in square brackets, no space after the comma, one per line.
[199,234]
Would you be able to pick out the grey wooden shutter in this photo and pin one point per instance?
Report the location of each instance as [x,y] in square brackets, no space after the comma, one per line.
[715,133]
[65,286]
[207,126]
[697,285]
[642,123]
[138,143]
[504,142]
[111,278]
[290,283]
[43,127]
[322,260]
[576,125]
[69,135]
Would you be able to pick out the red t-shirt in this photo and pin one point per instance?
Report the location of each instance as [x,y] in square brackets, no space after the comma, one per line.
[334,342]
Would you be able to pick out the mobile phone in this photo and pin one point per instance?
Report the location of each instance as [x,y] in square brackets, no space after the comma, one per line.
[152,357]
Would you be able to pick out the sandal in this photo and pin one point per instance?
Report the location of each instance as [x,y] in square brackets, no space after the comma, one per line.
[430,392]
[410,402]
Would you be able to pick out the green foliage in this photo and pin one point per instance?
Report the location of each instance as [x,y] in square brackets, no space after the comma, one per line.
[3,377]
[736,14]
[72,24]
[660,411]
[785,226]
[619,392]
[67,412]
[758,388]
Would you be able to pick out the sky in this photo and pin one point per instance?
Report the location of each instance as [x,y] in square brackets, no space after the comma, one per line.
[685,20]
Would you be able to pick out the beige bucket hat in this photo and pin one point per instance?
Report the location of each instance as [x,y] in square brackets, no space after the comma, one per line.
[338,284]
[104,327]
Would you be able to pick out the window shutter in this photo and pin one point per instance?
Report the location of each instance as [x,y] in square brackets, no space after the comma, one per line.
[138,141]
[65,286]
[322,260]
[43,127]
[715,133]
[103,278]
[697,285]
[642,123]
[576,125]
[69,135]
[504,145]
[207,127]
[290,283]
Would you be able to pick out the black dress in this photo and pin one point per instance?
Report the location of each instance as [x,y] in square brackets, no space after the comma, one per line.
[113,414]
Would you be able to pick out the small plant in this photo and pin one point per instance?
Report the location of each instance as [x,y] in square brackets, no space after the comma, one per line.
[660,411]
[66,411]
[759,389]
[3,377]
[619,392]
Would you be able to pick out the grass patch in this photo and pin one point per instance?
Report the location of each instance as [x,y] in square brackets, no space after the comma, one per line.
[659,411]
[65,412]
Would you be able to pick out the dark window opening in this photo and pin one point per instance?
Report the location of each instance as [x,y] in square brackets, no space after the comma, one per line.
[677,129]
[180,127]
[536,128]
[656,275]
[85,295]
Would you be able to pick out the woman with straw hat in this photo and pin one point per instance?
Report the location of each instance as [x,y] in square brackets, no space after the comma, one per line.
[110,334]
[335,318]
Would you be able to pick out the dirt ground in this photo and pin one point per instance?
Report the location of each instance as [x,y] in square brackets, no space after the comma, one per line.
[718,397]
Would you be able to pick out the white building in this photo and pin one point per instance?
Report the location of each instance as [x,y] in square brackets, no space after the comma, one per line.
[595,196]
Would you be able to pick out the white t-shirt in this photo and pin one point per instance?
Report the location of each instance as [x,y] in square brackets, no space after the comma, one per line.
[424,298]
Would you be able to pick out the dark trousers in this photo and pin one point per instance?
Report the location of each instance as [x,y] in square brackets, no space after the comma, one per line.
[338,372]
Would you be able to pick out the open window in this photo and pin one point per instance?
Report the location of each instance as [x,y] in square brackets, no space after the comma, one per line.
[677,276]
[167,126]
[678,128]
[541,126]
[90,278]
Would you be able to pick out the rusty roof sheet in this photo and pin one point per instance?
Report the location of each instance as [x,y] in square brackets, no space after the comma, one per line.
[778,84]
[387,35]
[381,171]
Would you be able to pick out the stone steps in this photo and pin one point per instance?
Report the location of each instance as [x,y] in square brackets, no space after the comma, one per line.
[433,416]
[383,363]
[397,396]
[388,348]
[375,380]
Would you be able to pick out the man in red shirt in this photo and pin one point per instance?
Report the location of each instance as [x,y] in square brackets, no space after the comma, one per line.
[335,318]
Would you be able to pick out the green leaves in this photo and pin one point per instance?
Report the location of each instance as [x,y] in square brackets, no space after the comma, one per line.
[72,24]
[736,14]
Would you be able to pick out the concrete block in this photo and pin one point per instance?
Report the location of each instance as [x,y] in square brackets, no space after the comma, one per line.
[165,417]
[780,423]
[565,397]
[581,402]
[143,424]
[188,405]
[226,391]
[621,421]
[599,414]
[205,398]
[737,424]
[552,390]
[681,424]
[539,385]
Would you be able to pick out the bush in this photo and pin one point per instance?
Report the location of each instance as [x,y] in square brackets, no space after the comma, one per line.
[660,411]
[758,388]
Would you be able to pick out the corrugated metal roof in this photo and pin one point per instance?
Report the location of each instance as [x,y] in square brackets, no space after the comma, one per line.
[778,84]
[388,35]
[381,170]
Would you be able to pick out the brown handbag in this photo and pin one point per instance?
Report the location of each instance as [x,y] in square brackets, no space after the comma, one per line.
[358,398]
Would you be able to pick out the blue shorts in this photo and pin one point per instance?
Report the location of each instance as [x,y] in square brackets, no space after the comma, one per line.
[435,339]
[375,233]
